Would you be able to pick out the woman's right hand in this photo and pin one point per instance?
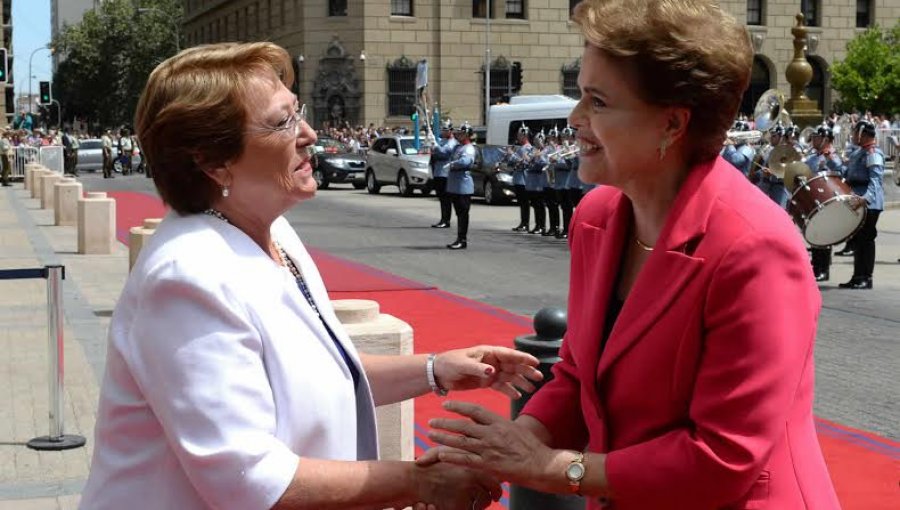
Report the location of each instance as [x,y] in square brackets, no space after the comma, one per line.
[442,486]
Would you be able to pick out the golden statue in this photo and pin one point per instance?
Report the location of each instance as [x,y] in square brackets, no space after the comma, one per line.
[804,111]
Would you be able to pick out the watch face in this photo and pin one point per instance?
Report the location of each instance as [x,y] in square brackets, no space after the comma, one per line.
[575,471]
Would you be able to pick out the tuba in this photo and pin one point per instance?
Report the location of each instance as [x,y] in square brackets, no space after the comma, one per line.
[770,110]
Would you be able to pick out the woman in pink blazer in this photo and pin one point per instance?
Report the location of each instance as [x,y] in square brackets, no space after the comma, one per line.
[686,379]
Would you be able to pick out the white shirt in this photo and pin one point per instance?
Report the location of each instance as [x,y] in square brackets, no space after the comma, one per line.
[219,376]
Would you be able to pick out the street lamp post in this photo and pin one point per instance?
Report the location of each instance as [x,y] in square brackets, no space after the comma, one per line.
[487,62]
[30,78]
[142,10]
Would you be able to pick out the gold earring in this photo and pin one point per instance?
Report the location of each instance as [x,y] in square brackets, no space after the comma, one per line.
[662,148]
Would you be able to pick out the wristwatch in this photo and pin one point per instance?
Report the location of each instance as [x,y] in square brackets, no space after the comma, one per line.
[575,473]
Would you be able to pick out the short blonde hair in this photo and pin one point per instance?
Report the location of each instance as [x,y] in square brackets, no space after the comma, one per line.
[194,108]
[684,53]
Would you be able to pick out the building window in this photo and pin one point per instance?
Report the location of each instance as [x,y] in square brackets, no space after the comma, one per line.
[755,13]
[570,79]
[863,13]
[572,5]
[810,10]
[479,8]
[760,81]
[401,8]
[337,7]
[506,80]
[515,9]
[401,91]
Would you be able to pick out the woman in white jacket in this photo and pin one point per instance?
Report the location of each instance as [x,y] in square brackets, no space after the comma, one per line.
[229,381]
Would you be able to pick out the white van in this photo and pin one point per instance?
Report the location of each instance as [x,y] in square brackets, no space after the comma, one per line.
[536,112]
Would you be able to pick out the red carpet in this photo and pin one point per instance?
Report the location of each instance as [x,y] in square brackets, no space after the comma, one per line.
[863,466]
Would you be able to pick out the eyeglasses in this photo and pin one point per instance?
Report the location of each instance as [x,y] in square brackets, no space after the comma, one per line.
[289,126]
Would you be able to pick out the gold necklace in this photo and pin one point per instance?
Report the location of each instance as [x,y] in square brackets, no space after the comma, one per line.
[643,246]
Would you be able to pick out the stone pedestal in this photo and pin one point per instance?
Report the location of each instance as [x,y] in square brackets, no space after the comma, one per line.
[377,333]
[48,181]
[36,181]
[66,193]
[96,224]
[30,169]
[138,237]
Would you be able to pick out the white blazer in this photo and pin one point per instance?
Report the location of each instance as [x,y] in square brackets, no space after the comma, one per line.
[219,376]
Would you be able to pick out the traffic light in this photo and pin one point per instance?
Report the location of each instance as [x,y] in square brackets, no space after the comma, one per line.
[4,65]
[516,84]
[46,97]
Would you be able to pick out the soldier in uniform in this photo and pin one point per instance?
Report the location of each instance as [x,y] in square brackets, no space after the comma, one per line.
[738,152]
[864,174]
[517,161]
[561,181]
[535,182]
[823,159]
[5,159]
[440,157]
[106,147]
[770,184]
[460,185]
[550,195]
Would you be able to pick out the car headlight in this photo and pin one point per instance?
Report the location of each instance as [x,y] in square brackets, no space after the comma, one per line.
[419,165]
[504,177]
[339,163]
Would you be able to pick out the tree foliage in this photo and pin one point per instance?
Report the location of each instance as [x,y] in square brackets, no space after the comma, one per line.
[107,57]
[869,78]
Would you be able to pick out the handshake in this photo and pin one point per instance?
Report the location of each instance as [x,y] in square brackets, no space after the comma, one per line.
[443,486]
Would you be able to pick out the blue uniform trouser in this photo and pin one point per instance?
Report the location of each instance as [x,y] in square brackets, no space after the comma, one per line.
[775,190]
[461,204]
[536,198]
[440,186]
[565,203]
[522,200]
[864,246]
[552,207]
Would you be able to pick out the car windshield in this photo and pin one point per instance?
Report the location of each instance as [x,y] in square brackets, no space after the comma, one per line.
[90,144]
[409,146]
[331,146]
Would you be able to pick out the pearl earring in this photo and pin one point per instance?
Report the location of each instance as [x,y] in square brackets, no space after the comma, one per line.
[225,192]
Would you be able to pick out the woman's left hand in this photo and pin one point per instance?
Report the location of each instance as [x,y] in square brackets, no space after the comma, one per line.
[486,366]
[490,443]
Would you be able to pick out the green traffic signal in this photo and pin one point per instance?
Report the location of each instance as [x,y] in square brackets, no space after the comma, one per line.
[46,97]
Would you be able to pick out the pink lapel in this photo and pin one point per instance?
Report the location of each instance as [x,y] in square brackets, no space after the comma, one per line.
[669,268]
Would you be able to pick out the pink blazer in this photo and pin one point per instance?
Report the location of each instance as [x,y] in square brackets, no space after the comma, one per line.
[703,394]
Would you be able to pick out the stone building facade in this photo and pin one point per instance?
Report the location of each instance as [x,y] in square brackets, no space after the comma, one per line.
[356,59]
[8,98]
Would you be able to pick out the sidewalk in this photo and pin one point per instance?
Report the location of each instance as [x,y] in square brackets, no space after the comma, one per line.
[32,480]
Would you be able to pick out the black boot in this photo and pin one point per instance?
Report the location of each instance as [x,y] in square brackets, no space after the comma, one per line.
[552,232]
[521,228]
[863,283]
[822,276]
[852,283]
[537,230]
[441,224]
[459,244]
[846,252]
[562,235]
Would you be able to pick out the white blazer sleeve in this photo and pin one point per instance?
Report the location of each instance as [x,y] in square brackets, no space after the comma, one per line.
[199,362]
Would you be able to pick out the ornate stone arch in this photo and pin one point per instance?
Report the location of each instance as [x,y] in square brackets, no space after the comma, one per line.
[336,91]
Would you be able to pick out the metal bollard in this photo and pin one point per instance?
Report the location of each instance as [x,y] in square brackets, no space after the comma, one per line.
[56,440]
[549,327]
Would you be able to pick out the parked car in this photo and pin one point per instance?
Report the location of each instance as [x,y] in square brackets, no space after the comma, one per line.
[393,160]
[493,181]
[334,162]
[90,156]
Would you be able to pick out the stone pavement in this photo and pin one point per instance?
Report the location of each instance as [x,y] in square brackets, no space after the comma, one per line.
[31,480]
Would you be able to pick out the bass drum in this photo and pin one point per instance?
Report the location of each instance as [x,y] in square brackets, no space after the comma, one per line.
[821,208]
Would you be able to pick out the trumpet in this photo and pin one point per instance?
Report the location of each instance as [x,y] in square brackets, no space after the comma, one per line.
[565,154]
[742,136]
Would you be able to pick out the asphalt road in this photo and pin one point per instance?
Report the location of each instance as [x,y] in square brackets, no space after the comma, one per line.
[858,346]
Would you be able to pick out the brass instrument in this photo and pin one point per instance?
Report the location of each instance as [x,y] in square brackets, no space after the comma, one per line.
[743,136]
[770,110]
[561,154]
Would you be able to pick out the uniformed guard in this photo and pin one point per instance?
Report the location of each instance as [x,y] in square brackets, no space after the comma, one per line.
[550,197]
[460,185]
[517,159]
[864,174]
[738,152]
[561,181]
[769,183]
[5,159]
[106,146]
[823,160]
[441,153]
[535,182]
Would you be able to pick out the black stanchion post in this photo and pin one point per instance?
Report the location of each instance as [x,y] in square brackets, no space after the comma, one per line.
[549,327]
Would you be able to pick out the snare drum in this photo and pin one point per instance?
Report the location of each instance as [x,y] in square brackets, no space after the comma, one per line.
[821,208]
